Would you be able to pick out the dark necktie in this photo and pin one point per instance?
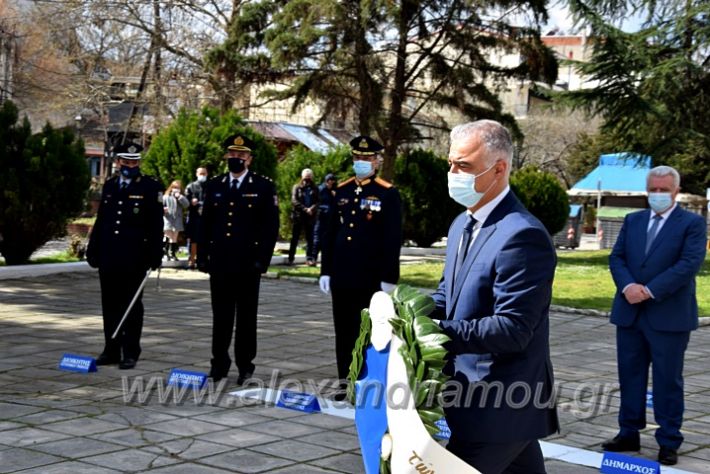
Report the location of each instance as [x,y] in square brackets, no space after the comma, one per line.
[652,232]
[234,185]
[124,185]
[465,243]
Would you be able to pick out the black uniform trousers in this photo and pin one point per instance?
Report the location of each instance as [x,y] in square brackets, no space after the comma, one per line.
[347,305]
[235,296]
[117,291]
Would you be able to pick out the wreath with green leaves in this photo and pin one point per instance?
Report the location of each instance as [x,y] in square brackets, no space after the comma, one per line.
[422,351]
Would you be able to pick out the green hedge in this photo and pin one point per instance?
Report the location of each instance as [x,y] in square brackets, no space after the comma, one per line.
[195,139]
[543,195]
[428,211]
[44,178]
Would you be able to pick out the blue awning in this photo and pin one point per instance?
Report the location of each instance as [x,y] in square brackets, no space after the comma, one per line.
[617,173]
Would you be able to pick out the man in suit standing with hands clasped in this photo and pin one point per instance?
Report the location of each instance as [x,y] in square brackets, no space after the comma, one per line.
[654,263]
[493,302]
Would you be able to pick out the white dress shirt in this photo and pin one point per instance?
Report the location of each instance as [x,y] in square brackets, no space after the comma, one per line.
[482,214]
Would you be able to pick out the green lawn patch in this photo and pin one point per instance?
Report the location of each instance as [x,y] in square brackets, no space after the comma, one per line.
[582,279]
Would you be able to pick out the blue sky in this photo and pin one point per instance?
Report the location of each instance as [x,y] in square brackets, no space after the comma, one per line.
[560,18]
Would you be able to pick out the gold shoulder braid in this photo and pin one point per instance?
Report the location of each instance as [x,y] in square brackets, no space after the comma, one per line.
[422,351]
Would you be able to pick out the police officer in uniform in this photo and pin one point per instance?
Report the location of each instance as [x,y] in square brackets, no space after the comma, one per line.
[238,231]
[125,241]
[361,246]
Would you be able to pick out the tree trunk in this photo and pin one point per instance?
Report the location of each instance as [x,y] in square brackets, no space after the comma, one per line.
[395,124]
[158,66]
[370,97]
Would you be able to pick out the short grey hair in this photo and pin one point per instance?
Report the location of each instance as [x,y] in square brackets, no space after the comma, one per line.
[664,171]
[495,137]
[306,172]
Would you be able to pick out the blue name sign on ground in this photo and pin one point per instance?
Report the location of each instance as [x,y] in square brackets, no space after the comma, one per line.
[304,402]
[615,463]
[77,363]
[185,378]
[444,431]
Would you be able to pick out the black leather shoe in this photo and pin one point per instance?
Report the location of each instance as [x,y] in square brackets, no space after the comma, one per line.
[104,359]
[127,363]
[667,456]
[619,444]
[243,377]
[216,376]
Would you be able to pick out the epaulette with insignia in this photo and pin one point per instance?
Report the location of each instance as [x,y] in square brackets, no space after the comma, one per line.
[383,183]
[346,181]
[150,179]
[262,176]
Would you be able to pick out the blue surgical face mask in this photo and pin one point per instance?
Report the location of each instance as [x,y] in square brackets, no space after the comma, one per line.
[660,202]
[462,188]
[362,168]
[129,172]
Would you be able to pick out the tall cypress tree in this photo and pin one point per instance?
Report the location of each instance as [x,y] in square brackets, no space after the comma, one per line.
[44,178]
[394,65]
[653,85]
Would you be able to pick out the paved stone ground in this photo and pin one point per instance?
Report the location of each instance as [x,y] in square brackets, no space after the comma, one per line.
[53,421]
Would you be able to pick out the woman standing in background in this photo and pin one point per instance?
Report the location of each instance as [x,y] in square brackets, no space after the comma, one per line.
[174,205]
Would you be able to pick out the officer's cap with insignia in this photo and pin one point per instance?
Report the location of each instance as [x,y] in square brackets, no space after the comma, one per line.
[128,151]
[364,145]
[239,142]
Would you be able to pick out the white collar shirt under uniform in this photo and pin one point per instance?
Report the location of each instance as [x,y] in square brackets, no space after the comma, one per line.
[239,180]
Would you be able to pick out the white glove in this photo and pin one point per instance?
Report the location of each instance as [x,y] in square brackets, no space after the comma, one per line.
[387,287]
[324,282]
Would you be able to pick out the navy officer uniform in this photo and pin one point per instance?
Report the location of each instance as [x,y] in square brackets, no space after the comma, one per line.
[238,232]
[125,242]
[361,246]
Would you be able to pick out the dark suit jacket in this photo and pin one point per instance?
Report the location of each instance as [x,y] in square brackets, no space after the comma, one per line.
[238,229]
[298,201]
[496,313]
[668,270]
[128,232]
